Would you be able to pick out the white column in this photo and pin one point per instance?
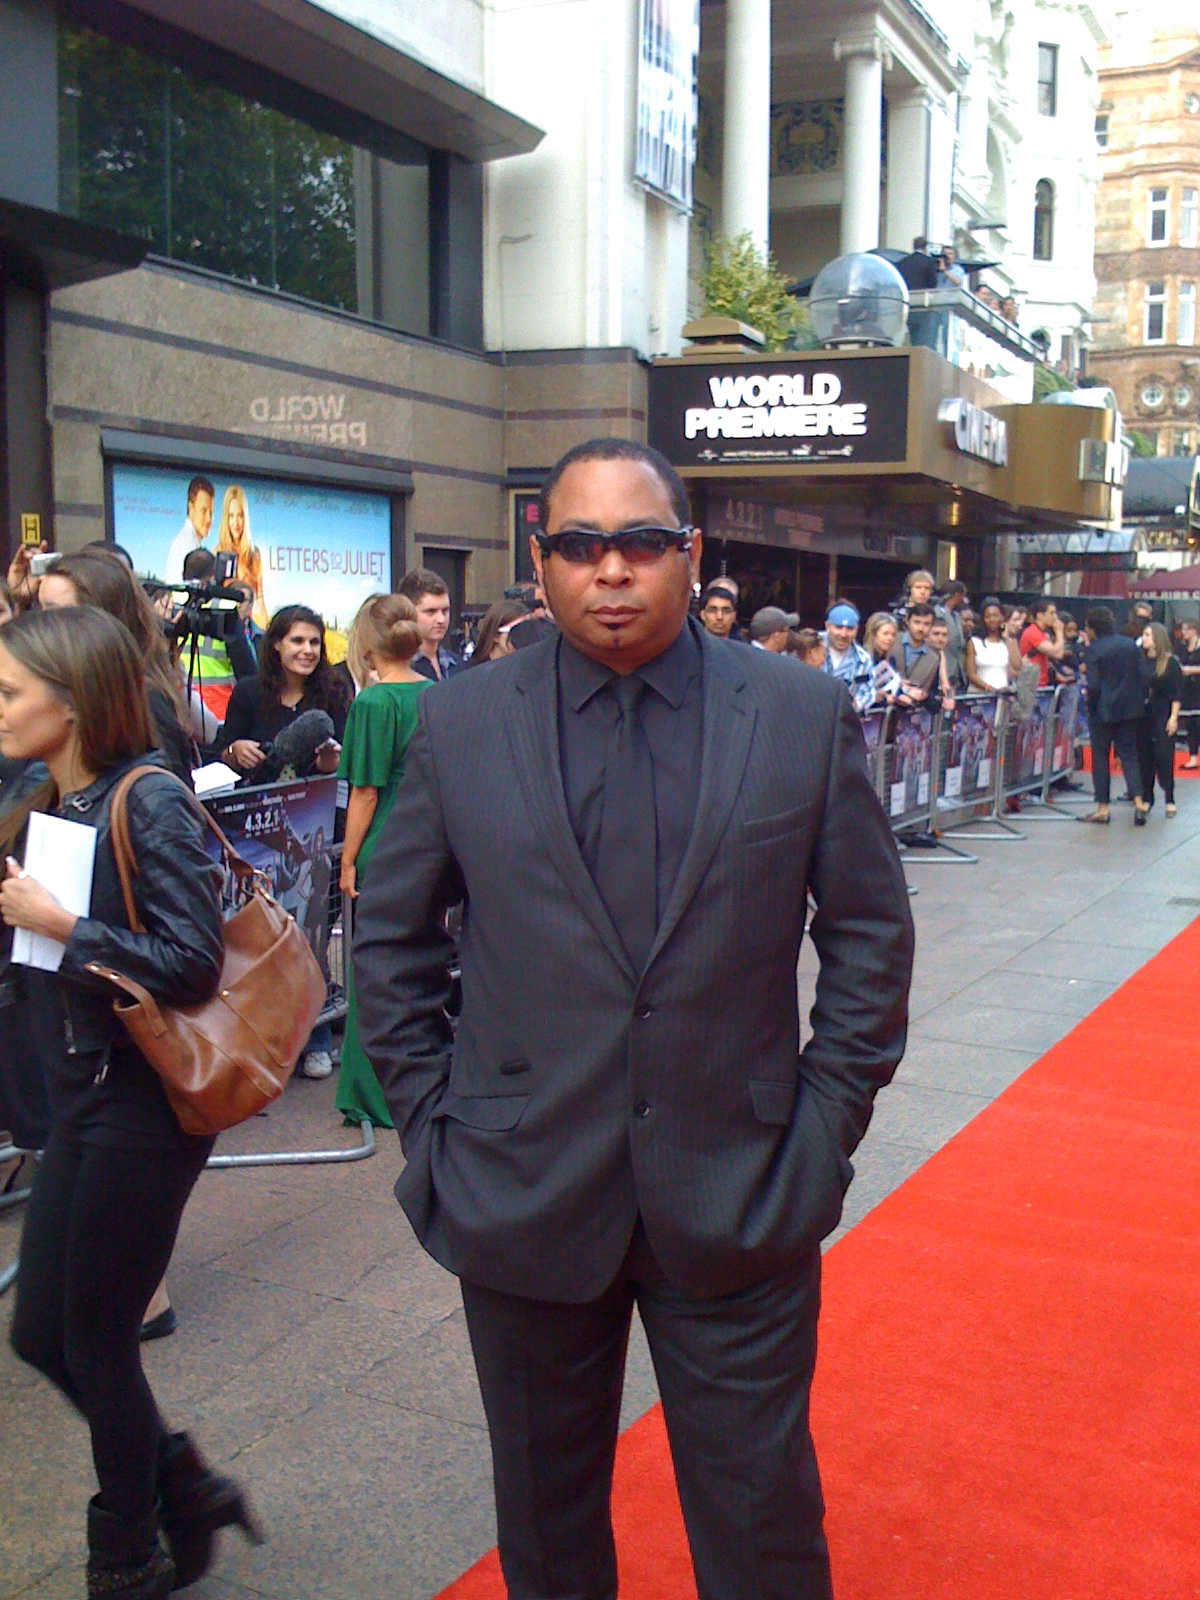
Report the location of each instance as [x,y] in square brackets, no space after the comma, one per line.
[908,169]
[746,171]
[861,139]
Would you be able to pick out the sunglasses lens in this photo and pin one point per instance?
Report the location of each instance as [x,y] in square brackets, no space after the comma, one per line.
[645,544]
[580,547]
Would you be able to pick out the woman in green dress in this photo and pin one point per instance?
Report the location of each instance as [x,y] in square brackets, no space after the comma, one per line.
[380,724]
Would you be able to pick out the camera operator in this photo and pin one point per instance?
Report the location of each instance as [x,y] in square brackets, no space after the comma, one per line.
[206,631]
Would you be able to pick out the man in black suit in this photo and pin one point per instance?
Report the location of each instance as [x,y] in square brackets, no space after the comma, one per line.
[626,1115]
[1116,697]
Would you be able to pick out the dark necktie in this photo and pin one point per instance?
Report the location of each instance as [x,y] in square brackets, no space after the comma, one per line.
[626,862]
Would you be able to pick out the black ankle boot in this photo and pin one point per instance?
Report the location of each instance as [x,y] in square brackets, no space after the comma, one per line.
[196,1502]
[125,1559]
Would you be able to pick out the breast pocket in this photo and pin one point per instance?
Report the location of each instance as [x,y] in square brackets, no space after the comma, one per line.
[782,825]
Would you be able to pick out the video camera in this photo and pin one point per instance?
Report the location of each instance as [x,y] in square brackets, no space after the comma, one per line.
[204,608]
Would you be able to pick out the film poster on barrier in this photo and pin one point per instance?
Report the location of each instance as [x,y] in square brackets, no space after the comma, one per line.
[1066,725]
[1029,743]
[912,762]
[285,830]
[971,751]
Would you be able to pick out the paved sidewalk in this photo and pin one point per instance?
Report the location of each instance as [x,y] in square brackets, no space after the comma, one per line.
[323,1356]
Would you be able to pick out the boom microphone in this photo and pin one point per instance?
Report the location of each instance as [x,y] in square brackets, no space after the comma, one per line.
[293,751]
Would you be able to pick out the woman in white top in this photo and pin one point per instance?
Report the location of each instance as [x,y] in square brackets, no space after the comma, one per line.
[991,659]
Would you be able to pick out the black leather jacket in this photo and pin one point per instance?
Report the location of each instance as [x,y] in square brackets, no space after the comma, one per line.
[98,1081]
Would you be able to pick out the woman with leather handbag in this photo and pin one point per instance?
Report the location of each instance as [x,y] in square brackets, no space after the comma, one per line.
[118,1167]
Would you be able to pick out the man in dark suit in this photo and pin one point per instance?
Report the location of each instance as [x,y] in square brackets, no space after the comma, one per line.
[626,1115]
[1116,697]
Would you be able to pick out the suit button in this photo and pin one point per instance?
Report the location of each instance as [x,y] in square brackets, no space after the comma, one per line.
[643,1013]
[641,1109]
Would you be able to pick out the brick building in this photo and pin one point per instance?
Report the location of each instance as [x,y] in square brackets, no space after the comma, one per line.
[1148,227]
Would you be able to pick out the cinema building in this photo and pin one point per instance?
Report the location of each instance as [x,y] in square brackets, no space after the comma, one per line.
[376,265]
[829,473]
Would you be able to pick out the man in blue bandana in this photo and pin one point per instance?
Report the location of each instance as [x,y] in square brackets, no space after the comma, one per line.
[845,658]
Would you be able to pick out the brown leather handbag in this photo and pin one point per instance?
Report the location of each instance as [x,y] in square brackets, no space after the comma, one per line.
[225,1059]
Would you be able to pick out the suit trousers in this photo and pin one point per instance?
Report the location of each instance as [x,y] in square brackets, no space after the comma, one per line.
[734,1375]
[1123,738]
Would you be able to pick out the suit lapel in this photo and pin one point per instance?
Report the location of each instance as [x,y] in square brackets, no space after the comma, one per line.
[729,718]
[533,732]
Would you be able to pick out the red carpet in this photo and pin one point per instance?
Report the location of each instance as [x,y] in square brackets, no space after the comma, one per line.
[1005,1406]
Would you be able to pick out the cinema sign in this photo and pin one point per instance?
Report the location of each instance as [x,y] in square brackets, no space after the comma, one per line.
[778,411]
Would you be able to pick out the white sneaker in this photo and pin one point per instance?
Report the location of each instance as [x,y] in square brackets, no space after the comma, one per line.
[316,1064]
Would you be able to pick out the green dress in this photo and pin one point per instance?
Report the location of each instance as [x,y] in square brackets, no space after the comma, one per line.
[380,724]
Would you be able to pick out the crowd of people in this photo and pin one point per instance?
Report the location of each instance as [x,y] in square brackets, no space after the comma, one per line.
[98,675]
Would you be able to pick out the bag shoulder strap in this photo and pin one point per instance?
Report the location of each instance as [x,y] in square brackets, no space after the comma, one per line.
[122,848]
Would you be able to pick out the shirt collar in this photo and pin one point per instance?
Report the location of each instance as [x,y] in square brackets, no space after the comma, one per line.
[669,674]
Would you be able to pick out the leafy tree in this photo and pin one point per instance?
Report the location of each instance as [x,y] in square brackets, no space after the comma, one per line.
[739,281]
[1047,381]
[1139,445]
[203,174]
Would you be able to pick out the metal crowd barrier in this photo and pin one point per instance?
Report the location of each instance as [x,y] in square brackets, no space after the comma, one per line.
[14,1197]
[937,772]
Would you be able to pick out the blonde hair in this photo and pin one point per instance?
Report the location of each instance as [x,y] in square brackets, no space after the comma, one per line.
[234,494]
[1162,647]
[384,629]
[875,621]
[356,660]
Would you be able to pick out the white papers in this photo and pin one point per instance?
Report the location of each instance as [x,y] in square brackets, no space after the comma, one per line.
[215,778]
[60,855]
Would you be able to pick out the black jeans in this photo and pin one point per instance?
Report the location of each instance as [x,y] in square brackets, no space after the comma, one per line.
[1156,756]
[734,1375]
[98,1235]
[1123,738]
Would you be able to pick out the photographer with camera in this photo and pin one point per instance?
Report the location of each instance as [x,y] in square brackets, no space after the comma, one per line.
[203,624]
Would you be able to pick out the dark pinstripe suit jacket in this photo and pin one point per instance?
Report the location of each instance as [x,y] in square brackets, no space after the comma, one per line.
[529,1147]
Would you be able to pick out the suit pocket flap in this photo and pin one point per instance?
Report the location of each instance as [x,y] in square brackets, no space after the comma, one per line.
[760,830]
[494,1112]
[773,1101]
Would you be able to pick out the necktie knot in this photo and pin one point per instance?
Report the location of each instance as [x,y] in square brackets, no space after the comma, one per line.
[628,692]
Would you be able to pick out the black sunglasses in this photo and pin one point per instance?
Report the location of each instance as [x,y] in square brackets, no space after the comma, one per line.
[638,546]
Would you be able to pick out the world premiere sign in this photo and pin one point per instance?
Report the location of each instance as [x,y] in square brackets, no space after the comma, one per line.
[778,413]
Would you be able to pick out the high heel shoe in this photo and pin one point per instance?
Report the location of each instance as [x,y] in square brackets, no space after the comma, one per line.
[196,1503]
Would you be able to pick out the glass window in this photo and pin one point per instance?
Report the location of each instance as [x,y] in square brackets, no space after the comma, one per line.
[1047,85]
[1155,330]
[1153,395]
[1156,217]
[1189,217]
[217,180]
[1186,326]
[1043,221]
[1102,130]
[1183,442]
[1183,396]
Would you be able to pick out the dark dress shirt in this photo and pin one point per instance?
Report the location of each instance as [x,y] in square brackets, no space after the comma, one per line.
[672,716]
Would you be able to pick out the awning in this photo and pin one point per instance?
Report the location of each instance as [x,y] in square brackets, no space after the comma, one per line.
[310,45]
[1180,584]
[43,250]
[1080,550]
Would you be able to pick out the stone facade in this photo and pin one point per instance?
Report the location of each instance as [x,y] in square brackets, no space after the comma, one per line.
[1148,234]
[169,353]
